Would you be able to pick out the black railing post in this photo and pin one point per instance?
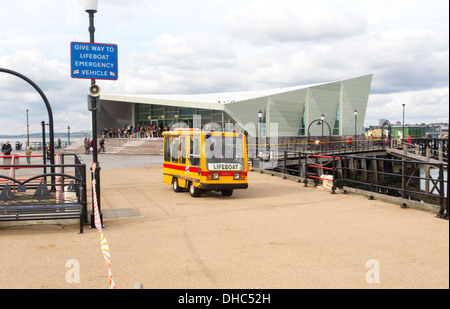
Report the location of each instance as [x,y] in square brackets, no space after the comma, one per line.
[372,171]
[344,171]
[333,188]
[84,194]
[306,170]
[299,165]
[441,186]
[44,152]
[403,179]
[448,181]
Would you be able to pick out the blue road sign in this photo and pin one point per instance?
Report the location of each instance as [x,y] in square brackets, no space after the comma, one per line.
[94,61]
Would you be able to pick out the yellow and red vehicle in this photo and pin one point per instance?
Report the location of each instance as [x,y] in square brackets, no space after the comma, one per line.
[204,160]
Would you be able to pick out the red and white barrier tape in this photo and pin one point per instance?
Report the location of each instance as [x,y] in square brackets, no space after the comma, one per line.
[98,224]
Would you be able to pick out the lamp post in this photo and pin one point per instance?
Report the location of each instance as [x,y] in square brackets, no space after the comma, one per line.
[403,125]
[356,118]
[68,135]
[320,121]
[28,131]
[322,118]
[260,116]
[91,7]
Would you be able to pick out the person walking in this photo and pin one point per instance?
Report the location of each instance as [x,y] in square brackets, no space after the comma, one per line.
[48,152]
[86,145]
[28,155]
[102,145]
[6,148]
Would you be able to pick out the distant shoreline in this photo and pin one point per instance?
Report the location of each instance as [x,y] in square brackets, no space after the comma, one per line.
[39,135]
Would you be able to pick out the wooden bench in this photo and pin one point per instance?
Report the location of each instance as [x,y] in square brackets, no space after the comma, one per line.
[43,212]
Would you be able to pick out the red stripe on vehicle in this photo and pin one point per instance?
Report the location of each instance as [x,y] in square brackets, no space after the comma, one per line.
[196,169]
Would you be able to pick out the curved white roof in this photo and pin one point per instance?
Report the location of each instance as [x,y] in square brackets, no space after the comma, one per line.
[211,98]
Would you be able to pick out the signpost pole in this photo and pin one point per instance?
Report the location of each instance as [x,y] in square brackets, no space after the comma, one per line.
[94,61]
[96,171]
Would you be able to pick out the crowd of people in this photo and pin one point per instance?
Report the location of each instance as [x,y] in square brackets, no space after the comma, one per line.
[134,131]
[89,144]
[130,131]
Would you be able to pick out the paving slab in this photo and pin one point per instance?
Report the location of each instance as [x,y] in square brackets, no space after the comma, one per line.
[277,234]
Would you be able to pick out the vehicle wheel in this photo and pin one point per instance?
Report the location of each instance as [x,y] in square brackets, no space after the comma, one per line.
[228,192]
[175,186]
[194,191]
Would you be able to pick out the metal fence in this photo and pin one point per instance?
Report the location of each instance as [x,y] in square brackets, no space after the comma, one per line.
[315,144]
[409,180]
[419,181]
[24,182]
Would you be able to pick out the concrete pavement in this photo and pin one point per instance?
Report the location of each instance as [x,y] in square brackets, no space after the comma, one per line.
[276,234]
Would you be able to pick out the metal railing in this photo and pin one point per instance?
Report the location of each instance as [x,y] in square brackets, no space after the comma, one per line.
[409,180]
[23,183]
[401,178]
[314,145]
[436,149]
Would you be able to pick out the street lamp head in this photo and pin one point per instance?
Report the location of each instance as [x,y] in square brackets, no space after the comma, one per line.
[260,114]
[91,5]
[356,112]
[322,117]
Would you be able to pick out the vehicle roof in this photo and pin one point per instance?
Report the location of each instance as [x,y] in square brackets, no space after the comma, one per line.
[197,132]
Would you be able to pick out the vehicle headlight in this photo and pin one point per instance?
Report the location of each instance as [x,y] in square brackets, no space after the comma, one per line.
[214,176]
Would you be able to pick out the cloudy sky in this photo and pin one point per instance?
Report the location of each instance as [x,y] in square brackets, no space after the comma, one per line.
[204,46]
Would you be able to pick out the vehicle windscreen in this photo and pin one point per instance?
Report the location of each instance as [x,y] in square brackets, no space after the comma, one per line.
[224,153]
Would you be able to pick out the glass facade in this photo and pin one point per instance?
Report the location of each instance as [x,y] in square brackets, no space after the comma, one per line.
[167,116]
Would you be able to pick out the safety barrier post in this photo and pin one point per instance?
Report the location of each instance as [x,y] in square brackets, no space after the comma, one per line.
[333,188]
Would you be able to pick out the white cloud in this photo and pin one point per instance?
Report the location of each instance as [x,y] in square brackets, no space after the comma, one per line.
[282,24]
[421,106]
[53,78]
[202,46]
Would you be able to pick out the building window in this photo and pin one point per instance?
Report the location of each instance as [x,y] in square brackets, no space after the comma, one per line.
[183,150]
[167,149]
[194,151]
[336,122]
[301,130]
[175,150]
[186,112]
